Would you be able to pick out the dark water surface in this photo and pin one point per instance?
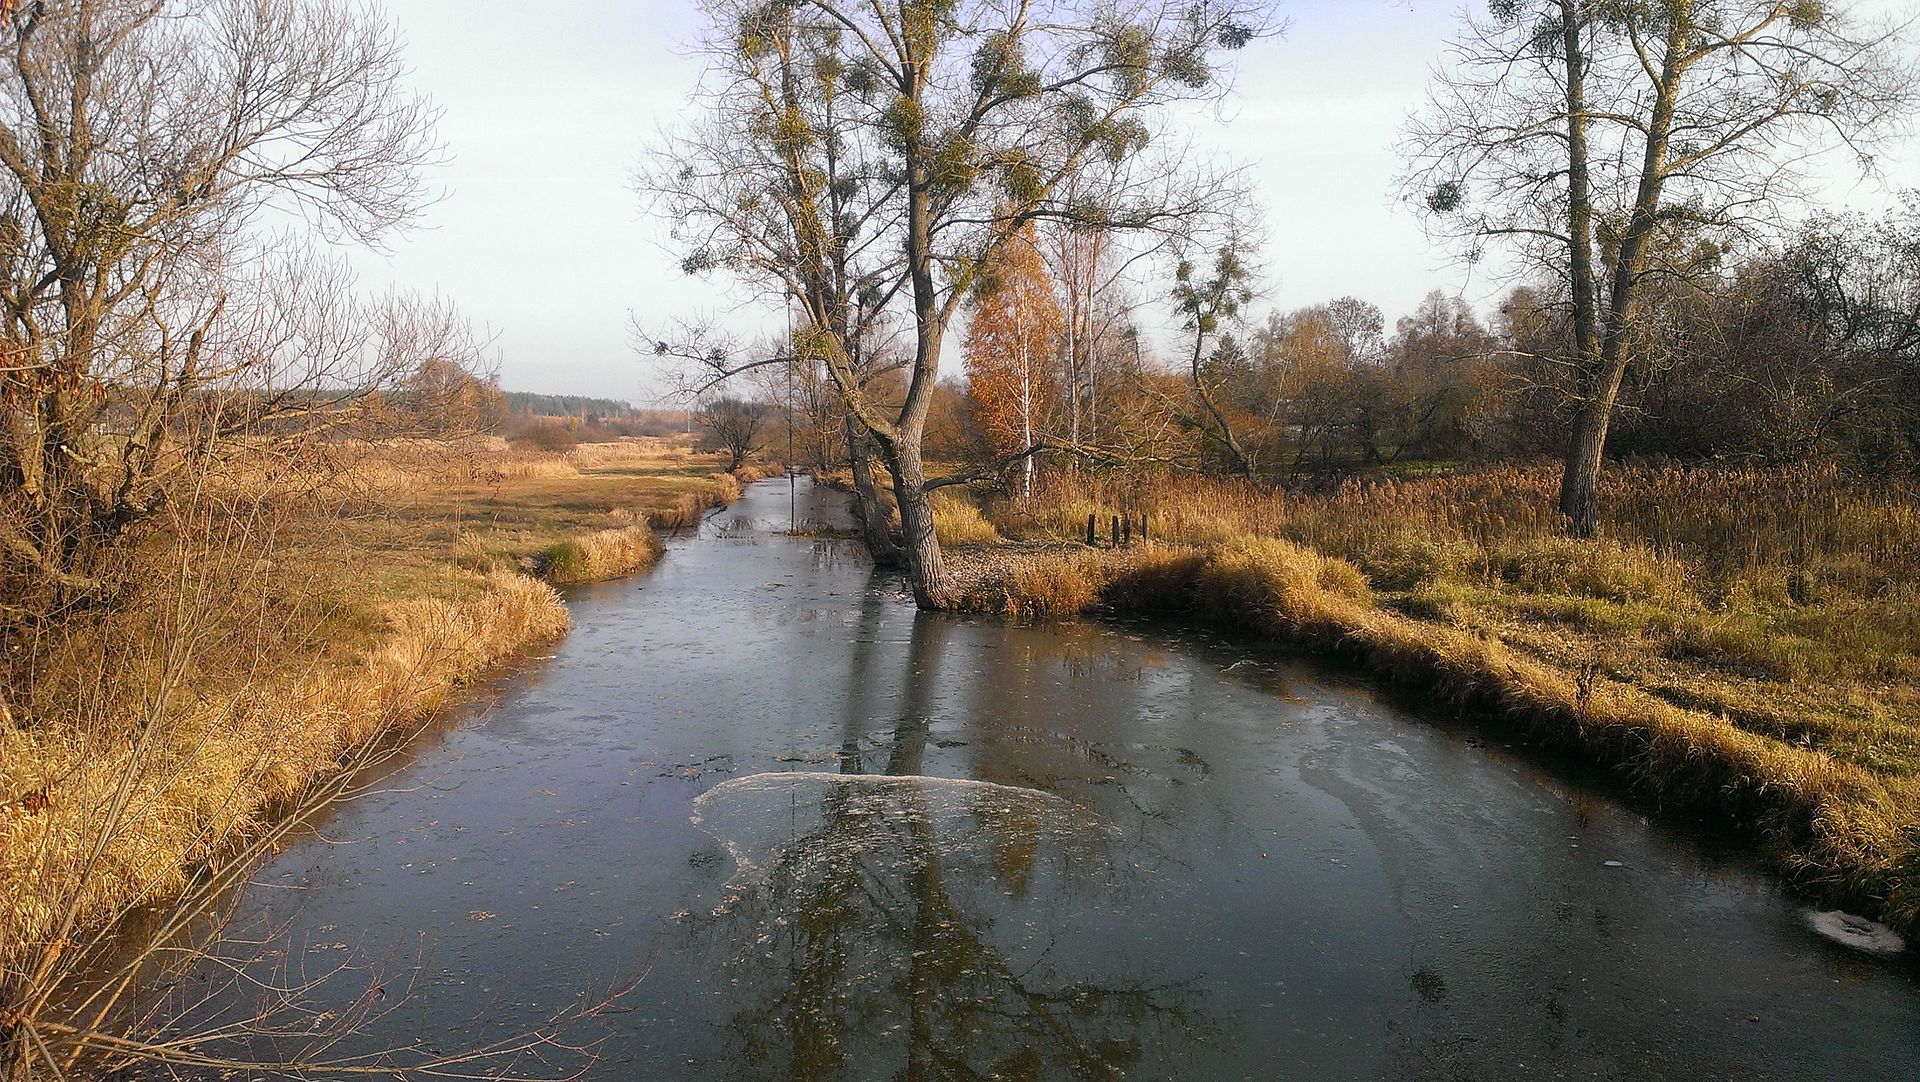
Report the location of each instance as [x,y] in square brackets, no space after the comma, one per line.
[847,840]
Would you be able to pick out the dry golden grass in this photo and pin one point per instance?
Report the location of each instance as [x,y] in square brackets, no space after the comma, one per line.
[1046,584]
[664,450]
[224,755]
[250,669]
[957,519]
[1736,642]
[603,554]
[753,471]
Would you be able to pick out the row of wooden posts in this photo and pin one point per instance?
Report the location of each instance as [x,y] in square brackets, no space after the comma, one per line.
[1122,529]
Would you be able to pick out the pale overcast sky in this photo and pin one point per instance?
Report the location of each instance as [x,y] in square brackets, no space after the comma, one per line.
[540,238]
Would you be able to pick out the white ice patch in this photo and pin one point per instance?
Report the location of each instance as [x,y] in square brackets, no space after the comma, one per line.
[1857,932]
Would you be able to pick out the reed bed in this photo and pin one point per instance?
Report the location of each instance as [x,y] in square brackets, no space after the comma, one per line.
[655,449]
[957,519]
[1768,575]
[525,466]
[1722,527]
[685,510]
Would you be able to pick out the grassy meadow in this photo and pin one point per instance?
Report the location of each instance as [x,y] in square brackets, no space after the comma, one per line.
[311,609]
[1740,643]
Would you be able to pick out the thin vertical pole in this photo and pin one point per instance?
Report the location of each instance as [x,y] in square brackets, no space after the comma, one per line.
[793,483]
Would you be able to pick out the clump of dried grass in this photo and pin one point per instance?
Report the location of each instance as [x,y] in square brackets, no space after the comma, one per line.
[1276,585]
[1603,567]
[626,451]
[527,466]
[957,520]
[603,554]
[1049,588]
[685,510]
[752,471]
[681,513]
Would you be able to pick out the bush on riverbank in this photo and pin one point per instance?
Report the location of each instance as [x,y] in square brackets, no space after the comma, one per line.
[1741,643]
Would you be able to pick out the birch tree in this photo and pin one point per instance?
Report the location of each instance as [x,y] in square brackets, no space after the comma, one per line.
[1012,334]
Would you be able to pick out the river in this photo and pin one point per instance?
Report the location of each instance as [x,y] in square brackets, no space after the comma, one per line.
[836,838]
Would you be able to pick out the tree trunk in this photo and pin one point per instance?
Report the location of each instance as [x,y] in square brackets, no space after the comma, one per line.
[926,566]
[1579,499]
[1073,375]
[1026,428]
[1239,460]
[1579,480]
[13,1053]
[1580,475]
[875,531]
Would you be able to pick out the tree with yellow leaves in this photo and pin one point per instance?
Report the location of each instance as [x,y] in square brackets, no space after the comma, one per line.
[1011,338]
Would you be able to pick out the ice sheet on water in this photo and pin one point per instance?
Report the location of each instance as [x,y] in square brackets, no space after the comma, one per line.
[802,820]
[981,909]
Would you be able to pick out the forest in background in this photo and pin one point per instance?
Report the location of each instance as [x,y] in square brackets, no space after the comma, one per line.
[1804,354]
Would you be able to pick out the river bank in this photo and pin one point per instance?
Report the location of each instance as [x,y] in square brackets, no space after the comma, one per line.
[406,572]
[1638,657]
[840,837]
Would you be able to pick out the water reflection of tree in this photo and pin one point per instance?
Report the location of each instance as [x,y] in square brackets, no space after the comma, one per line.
[897,934]
[886,934]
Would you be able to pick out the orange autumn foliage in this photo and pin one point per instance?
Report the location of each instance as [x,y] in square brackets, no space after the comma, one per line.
[1010,344]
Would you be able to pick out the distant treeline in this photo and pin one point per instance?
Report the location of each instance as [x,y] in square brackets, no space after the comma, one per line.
[529,404]
[558,421]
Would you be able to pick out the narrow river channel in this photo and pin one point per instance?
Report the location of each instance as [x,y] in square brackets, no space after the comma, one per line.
[846,840]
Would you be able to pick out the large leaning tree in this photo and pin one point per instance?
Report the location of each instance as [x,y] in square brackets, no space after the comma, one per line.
[872,158]
[1609,143]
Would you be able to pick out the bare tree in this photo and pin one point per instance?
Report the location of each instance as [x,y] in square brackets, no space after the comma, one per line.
[777,188]
[1090,264]
[1605,141]
[171,351]
[142,146]
[736,426]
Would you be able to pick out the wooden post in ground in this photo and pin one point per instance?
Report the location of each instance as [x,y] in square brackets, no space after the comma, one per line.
[1116,531]
[1092,537]
[1143,525]
[1126,531]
